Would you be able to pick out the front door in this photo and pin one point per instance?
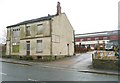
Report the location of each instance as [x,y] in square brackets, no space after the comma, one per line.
[28,48]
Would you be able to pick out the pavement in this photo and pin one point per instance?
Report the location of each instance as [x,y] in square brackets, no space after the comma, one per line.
[81,63]
[13,61]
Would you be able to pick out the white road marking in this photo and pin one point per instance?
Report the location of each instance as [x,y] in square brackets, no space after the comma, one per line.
[62,69]
[53,67]
[31,79]
[3,73]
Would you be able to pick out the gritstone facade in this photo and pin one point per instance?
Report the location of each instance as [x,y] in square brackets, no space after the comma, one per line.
[51,35]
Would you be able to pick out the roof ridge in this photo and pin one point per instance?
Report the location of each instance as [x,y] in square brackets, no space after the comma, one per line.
[32,20]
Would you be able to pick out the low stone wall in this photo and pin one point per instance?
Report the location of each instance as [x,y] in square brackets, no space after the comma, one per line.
[106,64]
[34,58]
[47,58]
[110,63]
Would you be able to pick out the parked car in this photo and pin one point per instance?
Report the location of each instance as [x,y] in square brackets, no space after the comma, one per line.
[109,46]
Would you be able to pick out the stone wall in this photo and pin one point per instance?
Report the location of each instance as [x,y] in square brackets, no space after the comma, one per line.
[62,36]
[106,64]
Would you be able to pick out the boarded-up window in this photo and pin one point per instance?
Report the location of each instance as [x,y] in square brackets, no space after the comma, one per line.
[40,29]
[56,39]
[16,33]
[28,47]
[39,47]
[15,48]
[27,30]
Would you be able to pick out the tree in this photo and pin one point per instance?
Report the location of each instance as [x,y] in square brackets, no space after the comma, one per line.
[3,37]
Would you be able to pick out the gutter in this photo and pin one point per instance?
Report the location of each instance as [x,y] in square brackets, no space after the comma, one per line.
[10,42]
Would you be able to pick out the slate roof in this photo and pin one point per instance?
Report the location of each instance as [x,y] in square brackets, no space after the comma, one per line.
[32,21]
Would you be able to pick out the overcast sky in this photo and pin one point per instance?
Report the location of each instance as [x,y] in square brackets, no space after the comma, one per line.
[85,16]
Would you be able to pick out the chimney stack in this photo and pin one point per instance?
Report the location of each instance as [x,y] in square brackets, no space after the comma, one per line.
[58,8]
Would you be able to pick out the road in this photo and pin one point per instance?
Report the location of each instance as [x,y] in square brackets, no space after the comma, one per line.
[61,70]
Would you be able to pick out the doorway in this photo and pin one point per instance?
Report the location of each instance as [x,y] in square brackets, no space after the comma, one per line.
[28,48]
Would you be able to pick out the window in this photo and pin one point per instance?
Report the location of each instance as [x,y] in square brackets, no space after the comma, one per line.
[14,43]
[96,38]
[82,40]
[105,38]
[39,47]
[16,33]
[27,30]
[56,39]
[28,47]
[88,38]
[40,29]
[15,48]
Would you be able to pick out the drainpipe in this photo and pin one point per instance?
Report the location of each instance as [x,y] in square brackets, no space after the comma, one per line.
[74,41]
[50,21]
[68,49]
[10,42]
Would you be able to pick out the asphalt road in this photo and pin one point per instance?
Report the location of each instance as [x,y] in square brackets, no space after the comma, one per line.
[62,70]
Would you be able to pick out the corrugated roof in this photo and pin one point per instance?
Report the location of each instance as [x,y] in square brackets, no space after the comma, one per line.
[96,34]
[33,20]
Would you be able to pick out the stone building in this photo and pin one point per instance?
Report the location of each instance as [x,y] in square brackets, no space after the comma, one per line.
[51,35]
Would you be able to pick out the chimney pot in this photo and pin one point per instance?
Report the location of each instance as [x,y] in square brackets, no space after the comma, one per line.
[58,8]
